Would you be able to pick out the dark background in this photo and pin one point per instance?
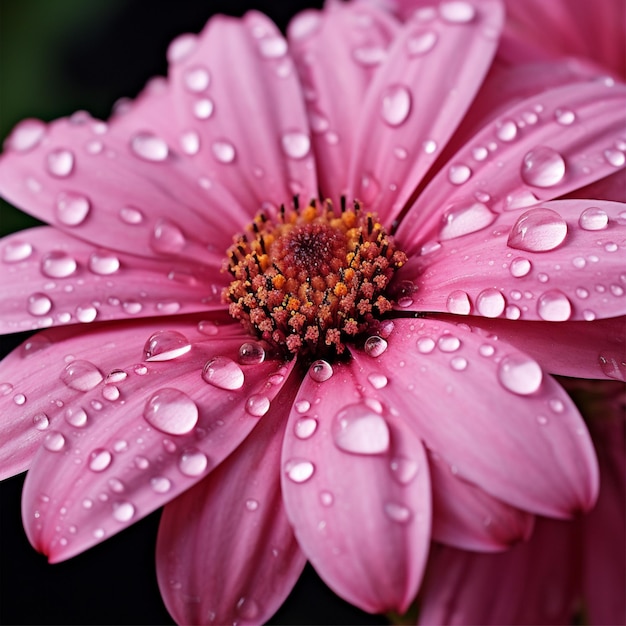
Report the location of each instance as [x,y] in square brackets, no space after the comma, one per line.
[58,56]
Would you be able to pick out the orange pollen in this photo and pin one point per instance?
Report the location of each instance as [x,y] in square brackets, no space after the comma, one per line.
[307,280]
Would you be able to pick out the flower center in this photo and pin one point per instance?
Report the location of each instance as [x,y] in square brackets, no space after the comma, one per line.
[312,279]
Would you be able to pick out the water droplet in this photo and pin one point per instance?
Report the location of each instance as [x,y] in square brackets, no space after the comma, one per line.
[458,363]
[326,498]
[375,346]
[167,238]
[304,24]
[520,267]
[396,104]
[58,264]
[149,147]
[196,79]
[27,135]
[490,302]
[486,350]
[554,306]
[171,411]
[16,250]
[403,469]
[506,130]
[565,117]
[305,427]
[100,459]
[425,345]
[538,230]
[251,353]
[370,187]
[296,144]
[123,511]
[520,374]
[103,263]
[302,406]
[203,108]
[160,484]
[190,142]
[320,371]
[357,429]
[369,55]
[54,441]
[76,416]
[512,312]
[39,304]
[457,11]
[132,307]
[131,216]
[299,470]
[459,174]
[421,43]
[71,208]
[224,373]
[258,405]
[543,167]
[615,157]
[193,462]
[248,609]
[224,151]
[81,375]
[397,512]
[378,381]
[60,162]
[465,218]
[273,47]
[165,345]
[429,146]
[181,47]
[459,303]
[556,405]
[86,314]
[41,421]
[448,343]
[593,218]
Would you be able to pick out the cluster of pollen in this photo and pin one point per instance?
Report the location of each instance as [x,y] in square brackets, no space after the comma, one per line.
[312,278]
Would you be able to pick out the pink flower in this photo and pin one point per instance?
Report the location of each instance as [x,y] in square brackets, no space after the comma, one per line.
[566,568]
[364,397]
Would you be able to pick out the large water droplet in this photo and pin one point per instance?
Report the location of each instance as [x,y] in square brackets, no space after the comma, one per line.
[39,304]
[375,346]
[193,462]
[520,374]
[181,47]
[123,511]
[224,373]
[459,173]
[457,11]
[41,421]
[203,108]
[16,250]
[76,416]
[171,411]
[426,345]
[224,151]
[248,609]
[459,303]
[99,460]
[58,264]
[72,208]
[520,267]
[615,157]
[538,230]
[296,144]
[26,135]
[131,215]
[305,24]
[196,79]
[81,375]
[190,142]
[299,470]
[490,302]
[258,405]
[421,43]
[167,238]
[54,441]
[320,371]
[251,353]
[60,162]
[403,469]
[397,512]
[554,306]
[149,147]
[593,218]
[543,167]
[359,430]
[103,263]
[165,345]
[463,219]
[396,104]
[273,47]
[305,427]
[86,313]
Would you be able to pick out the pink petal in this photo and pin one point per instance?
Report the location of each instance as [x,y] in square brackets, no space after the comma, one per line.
[598,352]
[146,439]
[409,112]
[488,410]
[559,261]
[533,583]
[357,491]
[51,278]
[542,148]
[234,516]
[124,185]
[348,42]
[250,124]
[466,517]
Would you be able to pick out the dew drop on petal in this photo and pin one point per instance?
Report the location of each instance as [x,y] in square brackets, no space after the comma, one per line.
[459,173]
[403,469]
[60,162]
[181,47]
[358,429]
[506,130]
[123,511]
[296,144]
[593,218]
[458,363]
[369,55]
[615,157]
[464,219]
[190,142]
[248,609]
[86,313]
[554,306]
[490,302]
[251,353]
[543,167]
[171,411]
[538,230]
[257,405]
[41,421]
[448,343]
[520,267]
[459,303]
[223,151]
[16,250]
[160,484]
[320,371]
[54,441]
[149,147]
[421,43]
[167,238]
[71,209]
[299,470]
[302,406]
[58,264]
[304,24]
[99,460]
[203,108]
[81,375]
[165,345]
[192,462]
[397,512]
[305,427]
[520,374]
[131,216]
[426,345]
[396,104]
[224,373]
[76,416]
[565,117]
[26,135]
[378,381]
[103,263]
[196,79]
[39,304]
[273,47]
[375,346]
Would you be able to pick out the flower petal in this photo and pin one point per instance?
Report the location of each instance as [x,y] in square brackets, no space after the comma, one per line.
[357,491]
[250,126]
[337,52]
[146,438]
[559,261]
[51,278]
[533,583]
[240,503]
[538,150]
[466,517]
[489,411]
[409,112]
